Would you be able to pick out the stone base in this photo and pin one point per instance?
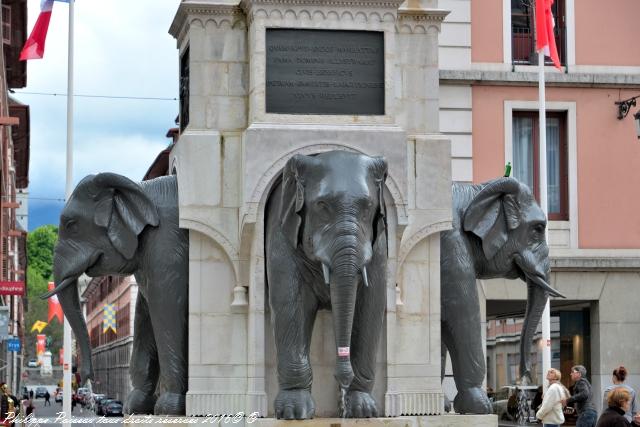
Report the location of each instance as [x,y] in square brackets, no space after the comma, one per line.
[425,421]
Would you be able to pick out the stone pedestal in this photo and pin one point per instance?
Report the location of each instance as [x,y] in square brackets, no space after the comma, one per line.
[431,421]
[231,152]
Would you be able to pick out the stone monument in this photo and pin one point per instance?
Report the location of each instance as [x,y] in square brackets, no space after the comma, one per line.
[262,81]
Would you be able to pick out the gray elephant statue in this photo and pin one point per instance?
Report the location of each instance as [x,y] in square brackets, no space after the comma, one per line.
[326,248]
[498,231]
[113,226]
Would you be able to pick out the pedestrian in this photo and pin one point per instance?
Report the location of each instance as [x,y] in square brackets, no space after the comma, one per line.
[31,394]
[619,375]
[550,411]
[29,407]
[47,396]
[618,402]
[582,397]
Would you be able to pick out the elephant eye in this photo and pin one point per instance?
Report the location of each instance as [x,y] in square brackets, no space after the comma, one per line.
[71,226]
[539,228]
[323,207]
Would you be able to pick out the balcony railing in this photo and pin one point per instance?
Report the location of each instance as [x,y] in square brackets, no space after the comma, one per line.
[523,47]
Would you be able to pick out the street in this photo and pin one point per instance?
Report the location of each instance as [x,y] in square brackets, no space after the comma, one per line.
[51,413]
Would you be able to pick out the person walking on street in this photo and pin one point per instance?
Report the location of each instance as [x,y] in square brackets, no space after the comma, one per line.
[550,411]
[619,375]
[9,406]
[618,402]
[47,396]
[582,397]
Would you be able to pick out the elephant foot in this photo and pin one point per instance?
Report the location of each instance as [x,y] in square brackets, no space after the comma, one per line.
[170,404]
[359,404]
[139,402]
[472,401]
[295,405]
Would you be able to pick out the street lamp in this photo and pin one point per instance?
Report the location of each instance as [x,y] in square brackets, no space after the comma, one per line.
[623,109]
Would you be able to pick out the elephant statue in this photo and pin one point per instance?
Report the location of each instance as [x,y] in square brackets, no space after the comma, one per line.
[326,248]
[498,231]
[113,226]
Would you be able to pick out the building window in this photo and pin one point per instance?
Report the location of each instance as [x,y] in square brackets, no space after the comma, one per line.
[523,43]
[6,24]
[184,90]
[526,159]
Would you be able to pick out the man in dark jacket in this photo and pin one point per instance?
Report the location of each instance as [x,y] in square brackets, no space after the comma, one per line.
[582,397]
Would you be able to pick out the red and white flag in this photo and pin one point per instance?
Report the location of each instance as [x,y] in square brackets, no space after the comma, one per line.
[34,46]
[545,39]
[55,309]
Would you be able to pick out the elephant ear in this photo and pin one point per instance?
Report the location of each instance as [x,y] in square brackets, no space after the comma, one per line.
[124,210]
[292,198]
[379,172]
[492,213]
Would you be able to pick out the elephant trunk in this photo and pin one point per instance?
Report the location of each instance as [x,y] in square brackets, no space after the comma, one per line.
[345,271]
[70,302]
[536,300]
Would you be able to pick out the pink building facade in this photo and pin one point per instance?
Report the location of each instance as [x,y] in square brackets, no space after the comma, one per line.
[488,109]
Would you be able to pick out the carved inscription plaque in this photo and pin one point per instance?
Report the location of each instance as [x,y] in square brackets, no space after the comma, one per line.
[324,72]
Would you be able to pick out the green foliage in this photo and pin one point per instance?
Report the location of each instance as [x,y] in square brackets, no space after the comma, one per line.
[40,243]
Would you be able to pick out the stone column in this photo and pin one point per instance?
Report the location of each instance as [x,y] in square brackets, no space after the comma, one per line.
[208,163]
[413,339]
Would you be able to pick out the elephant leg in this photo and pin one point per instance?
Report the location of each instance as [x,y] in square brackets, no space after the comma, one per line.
[462,336]
[367,329]
[168,310]
[143,367]
[293,312]
[443,369]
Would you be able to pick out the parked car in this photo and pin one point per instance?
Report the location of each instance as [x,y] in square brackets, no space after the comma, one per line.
[505,405]
[113,408]
[33,363]
[102,405]
[40,392]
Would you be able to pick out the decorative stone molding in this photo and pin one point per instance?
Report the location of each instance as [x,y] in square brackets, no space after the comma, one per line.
[419,21]
[413,403]
[216,12]
[215,403]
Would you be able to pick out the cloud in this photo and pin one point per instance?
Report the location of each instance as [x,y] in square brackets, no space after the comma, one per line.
[122,48]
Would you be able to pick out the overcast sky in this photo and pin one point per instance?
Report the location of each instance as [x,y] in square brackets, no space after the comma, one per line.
[122,48]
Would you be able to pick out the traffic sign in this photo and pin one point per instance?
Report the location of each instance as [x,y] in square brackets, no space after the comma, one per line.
[13,344]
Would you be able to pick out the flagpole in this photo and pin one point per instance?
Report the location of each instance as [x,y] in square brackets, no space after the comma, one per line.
[68,356]
[546,314]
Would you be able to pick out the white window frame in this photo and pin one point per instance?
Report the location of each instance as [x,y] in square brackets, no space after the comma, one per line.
[572,152]
[571,34]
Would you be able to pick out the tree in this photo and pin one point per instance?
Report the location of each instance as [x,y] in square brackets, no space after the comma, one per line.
[40,243]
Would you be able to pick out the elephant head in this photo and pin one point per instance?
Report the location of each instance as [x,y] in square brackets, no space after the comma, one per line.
[333,210]
[510,226]
[98,235]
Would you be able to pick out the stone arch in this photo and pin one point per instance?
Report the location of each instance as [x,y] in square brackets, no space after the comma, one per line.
[266,181]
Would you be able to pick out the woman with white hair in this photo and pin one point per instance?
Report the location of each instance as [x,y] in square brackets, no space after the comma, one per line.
[550,411]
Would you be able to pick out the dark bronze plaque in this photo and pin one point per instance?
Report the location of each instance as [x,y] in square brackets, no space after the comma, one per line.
[325,72]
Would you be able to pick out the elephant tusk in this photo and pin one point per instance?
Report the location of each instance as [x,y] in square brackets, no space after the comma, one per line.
[325,273]
[547,288]
[364,277]
[60,287]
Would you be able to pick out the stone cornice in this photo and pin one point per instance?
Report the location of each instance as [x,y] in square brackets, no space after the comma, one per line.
[520,78]
[331,4]
[416,14]
[186,9]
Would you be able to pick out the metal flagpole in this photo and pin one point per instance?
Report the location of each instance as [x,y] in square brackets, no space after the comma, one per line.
[546,314]
[68,356]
